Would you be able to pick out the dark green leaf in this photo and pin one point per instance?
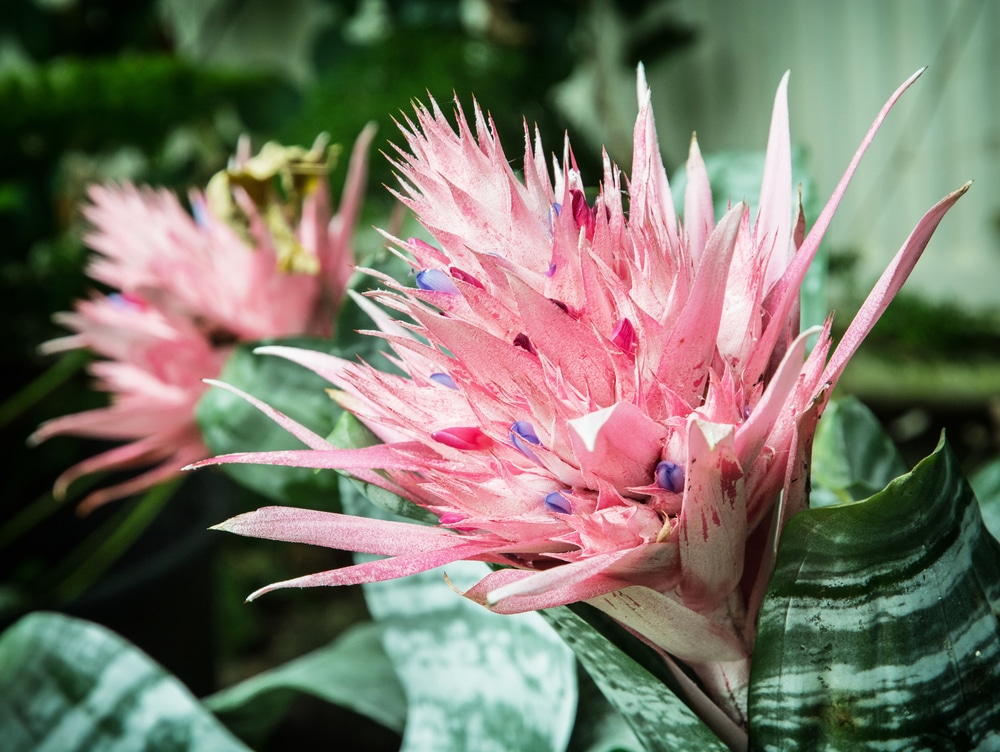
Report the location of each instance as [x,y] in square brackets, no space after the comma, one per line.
[352,672]
[229,424]
[879,629]
[986,483]
[599,726]
[657,716]
[853,457]
[68,685]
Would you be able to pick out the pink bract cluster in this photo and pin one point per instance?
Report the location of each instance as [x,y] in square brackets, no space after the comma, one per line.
[603,398]
[186,288]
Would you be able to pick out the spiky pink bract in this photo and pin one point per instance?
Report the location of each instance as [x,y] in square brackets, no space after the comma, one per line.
[558,353]
[187,288]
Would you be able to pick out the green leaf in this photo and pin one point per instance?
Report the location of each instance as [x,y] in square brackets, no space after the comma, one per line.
[853,457]
[474,680]
[879,629]
[230,424]
[352,672]
[986,483]
[599,726]
[659,718]
[67,685]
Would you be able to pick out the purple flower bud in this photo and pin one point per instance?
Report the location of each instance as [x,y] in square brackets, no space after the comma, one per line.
[202,215]
[556,502]
[670,476]
[522,434]
[436,280]
[525,430]
[126,301]
[444,380]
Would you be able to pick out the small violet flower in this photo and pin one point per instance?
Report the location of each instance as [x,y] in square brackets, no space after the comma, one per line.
[436,280]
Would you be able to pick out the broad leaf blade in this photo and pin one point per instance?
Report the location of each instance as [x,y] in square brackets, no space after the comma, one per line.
[599,726]
[352,672]
[229,424]
[68,685]
[853,456]
[986,483]
[474,680]
[879,629]
[658,718]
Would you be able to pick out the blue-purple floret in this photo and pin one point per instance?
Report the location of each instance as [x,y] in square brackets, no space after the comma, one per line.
[556,502]
[522,435]
[436,280]
[444,380]
[670,476]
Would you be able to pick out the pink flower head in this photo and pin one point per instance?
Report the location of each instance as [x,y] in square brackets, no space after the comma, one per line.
[245,266]
[604,399]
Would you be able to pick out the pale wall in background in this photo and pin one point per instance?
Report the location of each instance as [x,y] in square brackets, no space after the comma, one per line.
[846,58]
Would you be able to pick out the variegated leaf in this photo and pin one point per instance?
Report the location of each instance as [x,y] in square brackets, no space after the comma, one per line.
[880,627]
[657,717]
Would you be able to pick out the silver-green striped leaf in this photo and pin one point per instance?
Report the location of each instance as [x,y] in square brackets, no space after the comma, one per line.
[986,483]
[68,685]
[880,626]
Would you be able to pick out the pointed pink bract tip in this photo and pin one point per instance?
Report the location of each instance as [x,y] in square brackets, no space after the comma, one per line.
[602,351]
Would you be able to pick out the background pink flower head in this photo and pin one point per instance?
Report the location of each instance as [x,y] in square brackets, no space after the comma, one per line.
[252,262]
[607,400]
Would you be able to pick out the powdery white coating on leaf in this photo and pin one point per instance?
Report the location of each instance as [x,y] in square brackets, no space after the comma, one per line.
[474,680]
[341,531]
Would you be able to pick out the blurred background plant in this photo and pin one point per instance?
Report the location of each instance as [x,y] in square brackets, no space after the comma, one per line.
[158,91]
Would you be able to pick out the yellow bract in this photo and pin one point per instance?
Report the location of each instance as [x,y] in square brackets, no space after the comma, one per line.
[277,180]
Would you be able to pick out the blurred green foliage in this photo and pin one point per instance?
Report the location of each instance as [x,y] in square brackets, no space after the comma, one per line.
[930,330]
[159,91]
[73,103]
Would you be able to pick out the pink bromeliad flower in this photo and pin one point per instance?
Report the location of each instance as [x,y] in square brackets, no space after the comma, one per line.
[246,266]
[604,399]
